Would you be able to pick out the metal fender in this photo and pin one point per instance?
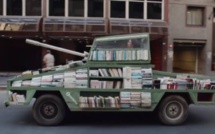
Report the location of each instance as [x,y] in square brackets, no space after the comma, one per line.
[71,99]
[156,98]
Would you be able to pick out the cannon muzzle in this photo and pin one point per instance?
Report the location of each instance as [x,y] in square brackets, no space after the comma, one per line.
[37,43]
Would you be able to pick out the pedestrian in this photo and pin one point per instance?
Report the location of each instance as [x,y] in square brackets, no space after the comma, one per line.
[48,59]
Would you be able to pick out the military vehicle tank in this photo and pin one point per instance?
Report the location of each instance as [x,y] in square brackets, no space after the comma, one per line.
[116,75]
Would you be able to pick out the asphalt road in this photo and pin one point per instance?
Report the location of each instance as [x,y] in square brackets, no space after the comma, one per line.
[4,78]
[19,120]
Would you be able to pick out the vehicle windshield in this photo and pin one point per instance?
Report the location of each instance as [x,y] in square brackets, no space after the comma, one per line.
[121,48]
[139,42]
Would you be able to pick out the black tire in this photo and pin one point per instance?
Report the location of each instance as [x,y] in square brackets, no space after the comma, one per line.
[173,110]
[49,110]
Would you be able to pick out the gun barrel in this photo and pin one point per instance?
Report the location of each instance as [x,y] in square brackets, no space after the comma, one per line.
[37,43]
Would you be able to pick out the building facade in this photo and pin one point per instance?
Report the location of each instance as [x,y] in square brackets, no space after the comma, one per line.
[73,24]
[191,36]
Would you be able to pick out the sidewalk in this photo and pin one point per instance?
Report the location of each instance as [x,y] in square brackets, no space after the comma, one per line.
[4,76]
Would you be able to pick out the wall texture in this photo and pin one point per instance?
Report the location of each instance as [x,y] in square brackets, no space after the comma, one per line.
[179,30]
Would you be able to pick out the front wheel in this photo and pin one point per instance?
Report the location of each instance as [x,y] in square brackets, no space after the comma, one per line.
[49,110]
[173,110]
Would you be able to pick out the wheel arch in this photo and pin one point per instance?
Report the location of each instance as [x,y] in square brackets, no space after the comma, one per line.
[56,93]
[185,95]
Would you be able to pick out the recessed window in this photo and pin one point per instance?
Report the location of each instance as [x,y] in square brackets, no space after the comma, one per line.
[14,7]
[33,8]
[195,16]
[1,7]
[136,10]
[76,8]
[118,9]
[154,10]
[95,8]
[56,8]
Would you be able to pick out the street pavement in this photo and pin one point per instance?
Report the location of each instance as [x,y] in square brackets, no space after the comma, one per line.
[3,79]
[19,120]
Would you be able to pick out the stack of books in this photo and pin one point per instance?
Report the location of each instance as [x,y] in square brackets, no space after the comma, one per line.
[203,84]
[15,97]
[27,73]
[99,102]
[58,80]
[132,78]
[36,82]
[119,55]
[147,78]
[136,78]
[125,100]
[17,83]
[81,78]
[146,99]
[26,83]
[46,81]
[135,99]
[70,79]
[107,72]
[180,84]
[83,102]
[105,84]
[94,73]
[127,77]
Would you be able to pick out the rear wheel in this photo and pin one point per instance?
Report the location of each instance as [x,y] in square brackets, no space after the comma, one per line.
[49,110]
[173,110]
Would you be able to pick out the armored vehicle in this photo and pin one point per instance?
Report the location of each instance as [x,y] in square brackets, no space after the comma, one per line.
[116,75]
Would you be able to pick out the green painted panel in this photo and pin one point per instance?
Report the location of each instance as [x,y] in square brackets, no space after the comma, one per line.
[71,98]
[213,98]
[208,97]
[156,97]
[29,95]
[193,96]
